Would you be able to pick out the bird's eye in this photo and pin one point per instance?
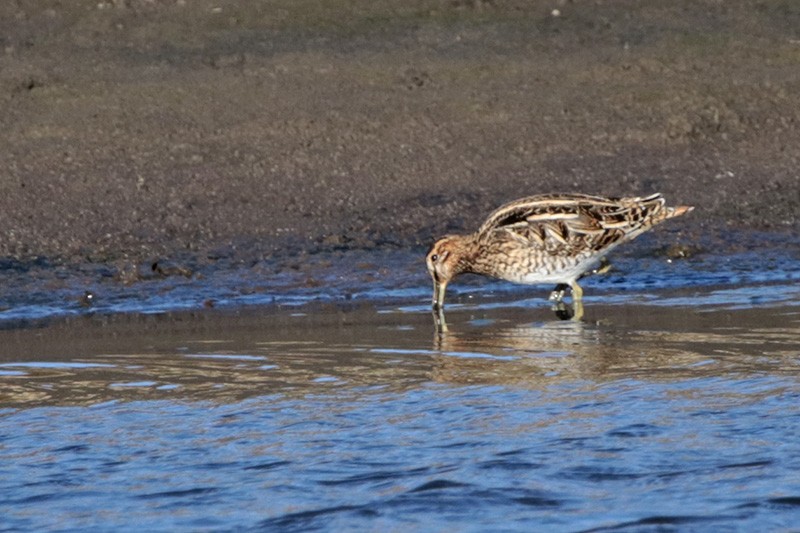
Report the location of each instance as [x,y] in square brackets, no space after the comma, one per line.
[434,258]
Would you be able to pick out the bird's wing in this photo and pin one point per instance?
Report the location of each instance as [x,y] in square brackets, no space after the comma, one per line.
[574,219]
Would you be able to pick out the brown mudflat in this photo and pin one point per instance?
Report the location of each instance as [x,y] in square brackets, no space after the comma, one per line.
[134,129]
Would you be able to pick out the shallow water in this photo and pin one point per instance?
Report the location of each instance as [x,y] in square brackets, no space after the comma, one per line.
[665,409]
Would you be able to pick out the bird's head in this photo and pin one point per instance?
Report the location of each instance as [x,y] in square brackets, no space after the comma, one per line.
[445,261]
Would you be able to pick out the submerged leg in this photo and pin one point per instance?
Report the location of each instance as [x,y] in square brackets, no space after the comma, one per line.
[563,310]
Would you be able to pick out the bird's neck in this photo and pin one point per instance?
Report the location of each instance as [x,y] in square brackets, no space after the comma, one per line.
[481,257]
[468,253]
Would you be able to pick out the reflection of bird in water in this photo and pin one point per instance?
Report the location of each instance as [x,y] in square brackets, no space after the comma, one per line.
[549,336]
[544,353]
[525,354]
[554,238]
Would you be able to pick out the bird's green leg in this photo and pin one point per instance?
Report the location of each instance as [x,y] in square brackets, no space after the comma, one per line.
[577,300]
[577,292]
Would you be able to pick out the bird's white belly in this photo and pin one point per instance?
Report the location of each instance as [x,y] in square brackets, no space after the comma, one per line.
[535,279]
[565,274]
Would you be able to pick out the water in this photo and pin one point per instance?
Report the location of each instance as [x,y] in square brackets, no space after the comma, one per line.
[673,406]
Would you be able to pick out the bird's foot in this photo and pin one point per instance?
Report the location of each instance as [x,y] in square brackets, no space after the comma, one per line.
[557,295]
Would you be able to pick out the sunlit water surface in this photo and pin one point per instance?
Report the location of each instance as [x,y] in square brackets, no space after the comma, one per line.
[672,407]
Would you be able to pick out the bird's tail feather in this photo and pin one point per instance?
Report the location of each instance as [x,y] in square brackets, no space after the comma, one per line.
[678,211]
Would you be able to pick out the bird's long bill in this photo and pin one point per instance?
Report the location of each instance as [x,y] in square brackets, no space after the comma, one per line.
[438,293]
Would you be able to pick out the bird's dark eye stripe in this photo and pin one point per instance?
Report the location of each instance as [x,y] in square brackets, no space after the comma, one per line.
[434,257]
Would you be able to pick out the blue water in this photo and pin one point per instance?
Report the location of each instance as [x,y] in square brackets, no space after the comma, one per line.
[649,418]
[577,456]
[674,405]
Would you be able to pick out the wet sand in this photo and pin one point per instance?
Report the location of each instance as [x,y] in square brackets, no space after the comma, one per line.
[204,133]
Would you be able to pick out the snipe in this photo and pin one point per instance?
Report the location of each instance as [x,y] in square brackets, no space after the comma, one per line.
[550,238]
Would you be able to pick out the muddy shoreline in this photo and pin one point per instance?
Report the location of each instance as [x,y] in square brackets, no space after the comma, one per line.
[191,135]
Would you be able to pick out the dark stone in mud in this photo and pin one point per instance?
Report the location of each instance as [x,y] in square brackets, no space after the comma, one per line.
[166,268]
[227,132]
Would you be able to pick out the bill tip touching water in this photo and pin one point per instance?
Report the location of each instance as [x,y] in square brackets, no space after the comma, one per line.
[550,238]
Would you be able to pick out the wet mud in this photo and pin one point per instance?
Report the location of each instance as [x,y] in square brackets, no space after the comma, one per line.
[151,138]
